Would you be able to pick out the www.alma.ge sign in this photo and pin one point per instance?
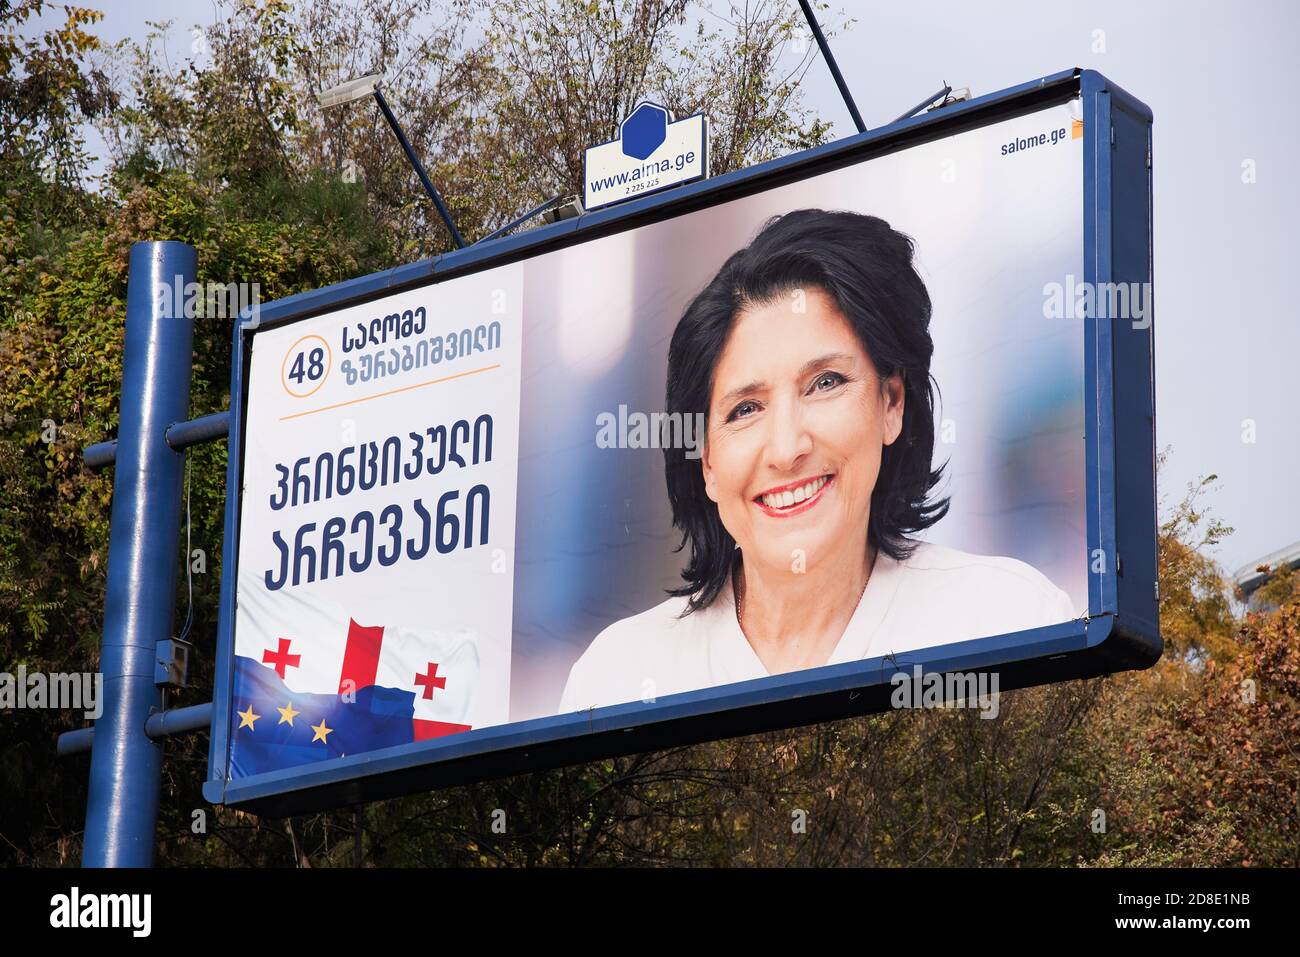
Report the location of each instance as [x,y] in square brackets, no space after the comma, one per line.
[653,152]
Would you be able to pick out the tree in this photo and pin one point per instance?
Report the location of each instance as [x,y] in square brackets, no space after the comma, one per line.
[230,152]
[569,71]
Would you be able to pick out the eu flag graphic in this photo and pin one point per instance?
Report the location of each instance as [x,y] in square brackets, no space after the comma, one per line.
[326,687]
[275,728]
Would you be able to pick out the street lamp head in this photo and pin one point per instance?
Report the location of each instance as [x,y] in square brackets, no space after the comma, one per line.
[959,95]
[349,91]
[568,208]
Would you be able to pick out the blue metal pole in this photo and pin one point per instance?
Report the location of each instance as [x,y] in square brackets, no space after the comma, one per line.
[143,553]
[162,723]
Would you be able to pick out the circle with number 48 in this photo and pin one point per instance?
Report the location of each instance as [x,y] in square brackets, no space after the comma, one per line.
[306,366]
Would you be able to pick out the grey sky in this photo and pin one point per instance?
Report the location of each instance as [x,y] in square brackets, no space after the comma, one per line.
[1219,79]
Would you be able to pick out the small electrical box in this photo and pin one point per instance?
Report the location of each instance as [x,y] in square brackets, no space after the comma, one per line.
[172,663]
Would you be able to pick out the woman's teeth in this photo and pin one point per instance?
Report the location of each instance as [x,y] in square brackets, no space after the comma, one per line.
[794,496]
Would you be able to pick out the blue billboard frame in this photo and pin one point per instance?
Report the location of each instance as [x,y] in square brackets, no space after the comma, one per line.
[1119,632]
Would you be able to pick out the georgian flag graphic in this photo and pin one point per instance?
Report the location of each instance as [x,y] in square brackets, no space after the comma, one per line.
[313,683]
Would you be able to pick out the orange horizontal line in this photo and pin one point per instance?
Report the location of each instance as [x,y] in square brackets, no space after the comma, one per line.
[380,395]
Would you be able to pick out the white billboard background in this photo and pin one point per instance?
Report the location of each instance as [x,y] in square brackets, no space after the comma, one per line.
[444,607]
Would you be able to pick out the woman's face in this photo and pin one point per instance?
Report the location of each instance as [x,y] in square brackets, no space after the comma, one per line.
[798,419]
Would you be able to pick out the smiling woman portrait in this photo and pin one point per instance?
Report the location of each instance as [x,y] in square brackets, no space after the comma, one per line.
[809,353]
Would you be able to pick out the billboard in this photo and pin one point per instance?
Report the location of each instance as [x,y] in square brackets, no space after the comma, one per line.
[716,461]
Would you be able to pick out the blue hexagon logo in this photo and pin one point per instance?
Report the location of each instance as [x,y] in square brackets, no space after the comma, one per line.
[644,130]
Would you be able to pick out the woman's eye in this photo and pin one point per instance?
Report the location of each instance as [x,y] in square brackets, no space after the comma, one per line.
[827,380]
[742,410]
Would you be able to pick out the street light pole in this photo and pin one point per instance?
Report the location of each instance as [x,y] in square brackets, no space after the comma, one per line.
[419,167]
[352,90]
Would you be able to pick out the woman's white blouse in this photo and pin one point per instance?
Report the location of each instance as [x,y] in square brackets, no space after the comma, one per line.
[938,595]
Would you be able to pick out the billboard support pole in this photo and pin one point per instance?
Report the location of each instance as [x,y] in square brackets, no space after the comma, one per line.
[520,220]
[126,764]
[835,67]
[924,103]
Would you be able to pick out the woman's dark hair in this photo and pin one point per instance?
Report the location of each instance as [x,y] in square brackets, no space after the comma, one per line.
[866,268]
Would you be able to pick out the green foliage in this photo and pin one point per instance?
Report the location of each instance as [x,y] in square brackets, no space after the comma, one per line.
[63,260]
[232,154]
[47,90]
